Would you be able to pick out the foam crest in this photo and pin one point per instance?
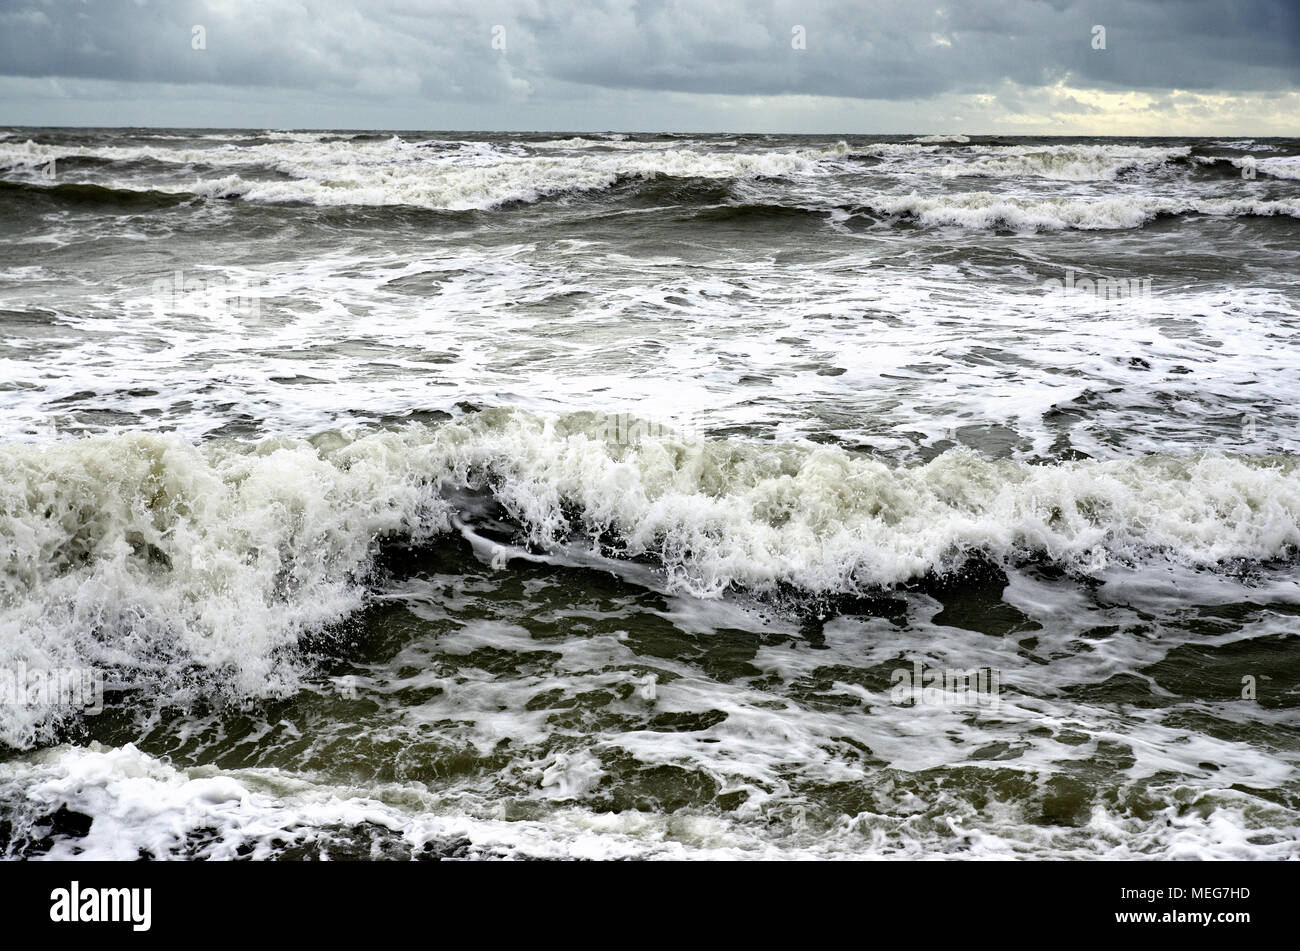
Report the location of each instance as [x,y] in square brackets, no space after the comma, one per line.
[1075,163]
[152,558]
[438,175]
[982,210]
[143,807]
[159,561]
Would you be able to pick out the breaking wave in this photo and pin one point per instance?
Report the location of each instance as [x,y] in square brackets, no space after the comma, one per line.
[1284,166]
[438,175]
[1076,163]
[991,210]
[164,562]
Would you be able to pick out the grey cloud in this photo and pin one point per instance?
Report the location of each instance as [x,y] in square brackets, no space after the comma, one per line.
[869,49]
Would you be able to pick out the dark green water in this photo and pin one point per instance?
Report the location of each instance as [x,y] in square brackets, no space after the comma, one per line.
[444,495]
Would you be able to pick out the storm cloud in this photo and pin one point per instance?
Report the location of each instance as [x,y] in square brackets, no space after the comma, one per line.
[994,65]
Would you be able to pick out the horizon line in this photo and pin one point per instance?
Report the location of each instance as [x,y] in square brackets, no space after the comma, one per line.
[399,129]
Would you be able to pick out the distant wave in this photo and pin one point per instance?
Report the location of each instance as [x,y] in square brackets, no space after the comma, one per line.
[452,175]
[471,176]
[1078,163]
[1282,166]
[622,143]
[92,196]
[712,199]
[986,210]
[1245,145]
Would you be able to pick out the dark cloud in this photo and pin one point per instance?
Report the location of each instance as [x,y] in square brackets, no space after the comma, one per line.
[868,49]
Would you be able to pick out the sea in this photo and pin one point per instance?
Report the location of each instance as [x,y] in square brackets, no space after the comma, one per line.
[452,495]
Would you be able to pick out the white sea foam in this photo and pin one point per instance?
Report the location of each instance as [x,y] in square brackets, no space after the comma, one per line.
[602,142]
[183,565]
[140,805]
[1282,166]
[994,210]
[457,176]
[897,150]
[1245,145]
[149,556]
[1078,163]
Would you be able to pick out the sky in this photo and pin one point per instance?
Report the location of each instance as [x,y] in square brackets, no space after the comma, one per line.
[1027,67]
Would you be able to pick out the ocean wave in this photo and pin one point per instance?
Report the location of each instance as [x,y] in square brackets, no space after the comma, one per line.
[179,567]
[140,805]
[1282,166]
[1075,163]
[92,196]
[1245,145]
[604,142]
[300,155]
[466,176]
[488,187]
[986,210]
[957,139]
[893,150]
